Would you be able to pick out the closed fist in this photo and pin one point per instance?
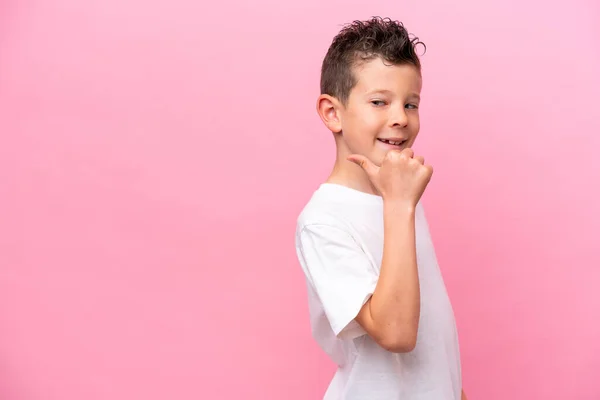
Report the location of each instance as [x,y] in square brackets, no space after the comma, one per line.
[402,176]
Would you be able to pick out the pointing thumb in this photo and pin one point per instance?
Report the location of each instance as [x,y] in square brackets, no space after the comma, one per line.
[364,162]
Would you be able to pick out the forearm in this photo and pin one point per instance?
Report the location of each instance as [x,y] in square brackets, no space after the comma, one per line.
[395,304]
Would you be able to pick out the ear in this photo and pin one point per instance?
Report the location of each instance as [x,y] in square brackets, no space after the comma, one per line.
[329,109]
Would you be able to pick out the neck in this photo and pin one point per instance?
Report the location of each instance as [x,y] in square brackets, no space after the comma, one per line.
[349,174]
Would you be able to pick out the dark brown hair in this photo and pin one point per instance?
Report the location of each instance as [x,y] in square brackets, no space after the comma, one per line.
[363,41]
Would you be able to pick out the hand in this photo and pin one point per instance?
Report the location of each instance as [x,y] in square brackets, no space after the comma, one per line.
[402,176]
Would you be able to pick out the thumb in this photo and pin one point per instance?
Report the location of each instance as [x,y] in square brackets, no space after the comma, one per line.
[364,162]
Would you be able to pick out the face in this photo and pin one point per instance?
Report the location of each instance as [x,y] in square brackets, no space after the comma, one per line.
[382,111]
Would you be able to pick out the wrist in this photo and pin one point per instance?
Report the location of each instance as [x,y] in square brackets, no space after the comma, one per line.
[399,206]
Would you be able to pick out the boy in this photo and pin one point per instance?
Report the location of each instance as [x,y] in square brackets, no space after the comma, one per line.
[377,300]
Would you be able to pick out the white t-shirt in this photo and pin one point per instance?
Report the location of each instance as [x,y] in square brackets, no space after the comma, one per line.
[339,242]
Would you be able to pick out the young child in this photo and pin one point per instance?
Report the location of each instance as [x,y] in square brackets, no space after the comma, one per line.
[377,300]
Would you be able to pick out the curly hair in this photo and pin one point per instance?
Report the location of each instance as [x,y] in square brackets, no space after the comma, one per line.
[362,41]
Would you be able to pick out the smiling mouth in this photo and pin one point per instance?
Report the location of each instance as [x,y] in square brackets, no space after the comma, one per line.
[393,142]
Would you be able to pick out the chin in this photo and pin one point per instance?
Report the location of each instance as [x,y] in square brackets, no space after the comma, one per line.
[378,158]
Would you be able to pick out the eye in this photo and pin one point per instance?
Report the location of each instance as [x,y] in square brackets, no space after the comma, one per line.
[378,103]
[412,106]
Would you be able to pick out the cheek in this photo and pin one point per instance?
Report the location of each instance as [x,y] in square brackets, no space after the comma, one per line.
[370,122]
[362,126]
[415,122]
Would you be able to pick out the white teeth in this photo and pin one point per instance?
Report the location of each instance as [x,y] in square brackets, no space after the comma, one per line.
[391,142]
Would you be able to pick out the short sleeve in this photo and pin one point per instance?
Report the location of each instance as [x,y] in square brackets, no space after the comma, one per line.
[340,273]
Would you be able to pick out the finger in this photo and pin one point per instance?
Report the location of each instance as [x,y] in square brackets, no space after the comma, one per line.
[429,170]
[408,152]
[420,159]
[364,162]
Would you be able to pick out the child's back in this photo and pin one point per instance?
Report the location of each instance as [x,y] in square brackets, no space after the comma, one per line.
[377,300]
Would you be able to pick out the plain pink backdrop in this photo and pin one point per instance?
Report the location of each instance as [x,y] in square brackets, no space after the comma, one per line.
[154,157]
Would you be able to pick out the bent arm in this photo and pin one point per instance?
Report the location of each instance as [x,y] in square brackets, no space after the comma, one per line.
[391,315]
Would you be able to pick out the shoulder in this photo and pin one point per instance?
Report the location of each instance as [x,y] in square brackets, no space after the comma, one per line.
[323,212]
[322,220]
[323,226]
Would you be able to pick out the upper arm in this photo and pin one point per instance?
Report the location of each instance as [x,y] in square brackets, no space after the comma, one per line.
[365,320]
[386,338]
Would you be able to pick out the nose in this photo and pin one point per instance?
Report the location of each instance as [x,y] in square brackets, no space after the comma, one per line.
[398,118]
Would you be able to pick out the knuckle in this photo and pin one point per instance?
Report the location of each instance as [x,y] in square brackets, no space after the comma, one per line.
[394,155]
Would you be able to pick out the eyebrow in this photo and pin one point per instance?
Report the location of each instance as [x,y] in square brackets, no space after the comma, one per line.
[386,91]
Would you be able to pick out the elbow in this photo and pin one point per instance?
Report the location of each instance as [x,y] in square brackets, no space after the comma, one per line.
[400,343]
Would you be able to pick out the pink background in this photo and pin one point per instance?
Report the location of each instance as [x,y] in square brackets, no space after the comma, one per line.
[154,157]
